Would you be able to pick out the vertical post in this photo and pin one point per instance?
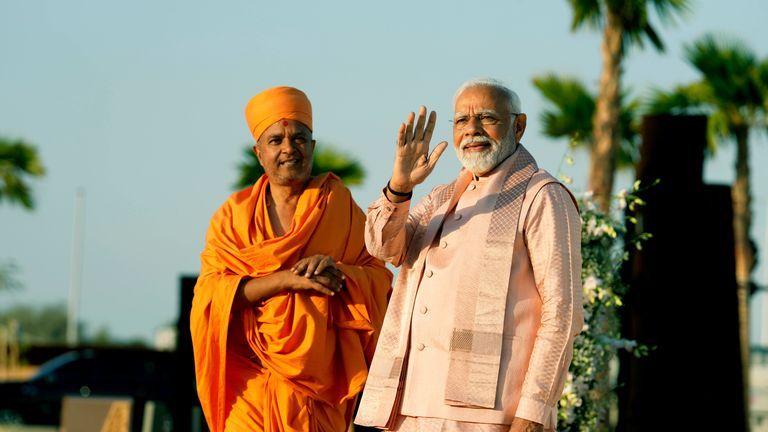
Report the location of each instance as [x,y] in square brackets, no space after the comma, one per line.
[76,270]
[681,298]
[762,311]
[3,352]
[13,345]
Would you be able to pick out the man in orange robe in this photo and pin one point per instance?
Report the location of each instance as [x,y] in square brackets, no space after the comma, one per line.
[289,303]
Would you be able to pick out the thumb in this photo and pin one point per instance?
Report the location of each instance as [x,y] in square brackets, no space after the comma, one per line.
[436,153]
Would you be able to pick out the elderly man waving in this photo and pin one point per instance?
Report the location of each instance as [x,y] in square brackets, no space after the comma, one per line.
[289,303]
[479,331]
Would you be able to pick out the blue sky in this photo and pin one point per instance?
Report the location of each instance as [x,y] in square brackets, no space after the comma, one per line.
[141,104]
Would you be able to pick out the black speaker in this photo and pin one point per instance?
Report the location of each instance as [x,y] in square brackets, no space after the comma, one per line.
[187,411]
[681,292]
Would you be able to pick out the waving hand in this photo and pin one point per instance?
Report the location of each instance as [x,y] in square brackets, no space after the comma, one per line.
[413,162]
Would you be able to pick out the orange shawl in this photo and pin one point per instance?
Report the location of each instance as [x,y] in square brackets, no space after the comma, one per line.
[319,347]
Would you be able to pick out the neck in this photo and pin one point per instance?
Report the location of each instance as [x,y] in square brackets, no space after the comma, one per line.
[287,193]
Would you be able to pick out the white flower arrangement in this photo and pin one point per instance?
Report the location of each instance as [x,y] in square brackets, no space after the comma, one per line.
[588,396]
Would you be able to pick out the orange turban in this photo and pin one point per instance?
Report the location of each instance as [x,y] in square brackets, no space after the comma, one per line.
[275,104]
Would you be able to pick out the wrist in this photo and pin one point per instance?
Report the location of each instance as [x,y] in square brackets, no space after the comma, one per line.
[399,190]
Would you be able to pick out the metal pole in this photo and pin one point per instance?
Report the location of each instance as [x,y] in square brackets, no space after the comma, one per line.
[762,310]
[76,270]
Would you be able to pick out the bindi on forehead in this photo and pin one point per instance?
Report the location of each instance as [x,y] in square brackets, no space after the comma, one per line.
[285,123]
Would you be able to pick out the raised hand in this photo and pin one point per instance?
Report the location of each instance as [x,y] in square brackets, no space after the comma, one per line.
[413,162]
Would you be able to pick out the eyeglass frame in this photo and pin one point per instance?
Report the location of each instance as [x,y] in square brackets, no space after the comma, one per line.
[479,116]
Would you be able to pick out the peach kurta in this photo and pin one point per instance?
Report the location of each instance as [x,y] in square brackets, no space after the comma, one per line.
[543,306]
[296,361]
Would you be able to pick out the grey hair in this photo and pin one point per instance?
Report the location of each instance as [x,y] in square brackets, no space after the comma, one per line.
[512,98]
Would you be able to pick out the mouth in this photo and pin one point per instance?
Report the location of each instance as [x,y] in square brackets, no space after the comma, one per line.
[476,147]
[477,144]
[290,162]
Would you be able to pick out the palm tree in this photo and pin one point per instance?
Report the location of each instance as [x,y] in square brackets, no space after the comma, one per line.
[624,23]
[572,111]
[570,115]
[18,161]
[325,159]
[734,92]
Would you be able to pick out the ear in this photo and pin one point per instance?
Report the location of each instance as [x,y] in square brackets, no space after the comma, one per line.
[257,152]
[312,146]
[520,122]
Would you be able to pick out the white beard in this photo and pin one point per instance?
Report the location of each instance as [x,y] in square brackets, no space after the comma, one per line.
[479,163]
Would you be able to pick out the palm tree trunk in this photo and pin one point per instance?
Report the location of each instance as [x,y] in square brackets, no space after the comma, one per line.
[606,120]
[603,162]
[742,224]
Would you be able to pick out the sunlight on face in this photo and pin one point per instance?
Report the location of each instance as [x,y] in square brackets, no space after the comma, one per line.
[482,162]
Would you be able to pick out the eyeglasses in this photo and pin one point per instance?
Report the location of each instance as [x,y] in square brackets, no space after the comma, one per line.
[486,119]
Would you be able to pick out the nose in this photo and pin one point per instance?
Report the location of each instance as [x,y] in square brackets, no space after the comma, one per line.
[473,127]
[287,146]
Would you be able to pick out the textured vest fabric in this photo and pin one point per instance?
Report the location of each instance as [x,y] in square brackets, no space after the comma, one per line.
[478,326]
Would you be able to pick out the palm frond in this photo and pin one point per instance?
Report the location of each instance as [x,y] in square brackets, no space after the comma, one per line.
[688,99]
[731,70]
[19,161]
[572,108]
[586,12]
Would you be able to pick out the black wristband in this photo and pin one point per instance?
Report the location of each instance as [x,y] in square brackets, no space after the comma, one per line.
[399,194]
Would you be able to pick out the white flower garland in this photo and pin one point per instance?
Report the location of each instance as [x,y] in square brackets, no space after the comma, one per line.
[588,396]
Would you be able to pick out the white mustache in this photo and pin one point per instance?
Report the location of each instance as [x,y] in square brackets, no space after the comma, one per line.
[476,139]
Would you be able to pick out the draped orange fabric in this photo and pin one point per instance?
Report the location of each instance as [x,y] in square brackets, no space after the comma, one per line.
[296,361]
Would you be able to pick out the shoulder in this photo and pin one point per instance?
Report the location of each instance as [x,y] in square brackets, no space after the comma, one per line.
[334,183]
[443,188]
[238,198]
[546,190]
[441,191]
[541,178]
[225,213]
[335,187]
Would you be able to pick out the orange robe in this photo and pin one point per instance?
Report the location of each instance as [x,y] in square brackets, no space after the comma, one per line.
[297,360]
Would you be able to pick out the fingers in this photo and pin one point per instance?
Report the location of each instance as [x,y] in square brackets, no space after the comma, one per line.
[329,281]
[325,262]
[316,265]
[333,272]
[306,266]
[401,135]
[317,286]
[301,283]
[430,127]
[312,265]
[421,132]
[319,273]
[409,128]
[300,267]
[418,133]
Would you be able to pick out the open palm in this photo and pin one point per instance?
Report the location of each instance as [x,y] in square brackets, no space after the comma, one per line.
[413,162]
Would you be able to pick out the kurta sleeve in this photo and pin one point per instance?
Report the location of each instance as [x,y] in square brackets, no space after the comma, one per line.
[390,226]
[369,284]
[553,236]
